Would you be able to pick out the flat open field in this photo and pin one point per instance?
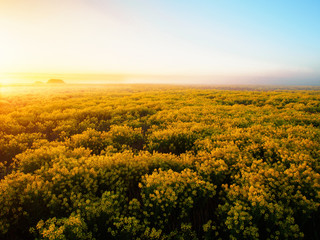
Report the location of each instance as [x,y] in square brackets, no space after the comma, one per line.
[159,162]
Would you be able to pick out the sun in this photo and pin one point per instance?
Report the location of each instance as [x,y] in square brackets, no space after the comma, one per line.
[4,79]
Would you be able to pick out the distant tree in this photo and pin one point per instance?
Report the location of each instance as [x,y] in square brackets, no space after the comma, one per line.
[50,81]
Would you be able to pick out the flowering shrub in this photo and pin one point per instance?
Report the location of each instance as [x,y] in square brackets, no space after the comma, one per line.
[170,198]
[138,162]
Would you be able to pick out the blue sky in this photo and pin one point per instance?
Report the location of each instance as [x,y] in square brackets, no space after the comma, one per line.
[269,41]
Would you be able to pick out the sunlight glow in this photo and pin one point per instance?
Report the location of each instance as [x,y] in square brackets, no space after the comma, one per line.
[158,38]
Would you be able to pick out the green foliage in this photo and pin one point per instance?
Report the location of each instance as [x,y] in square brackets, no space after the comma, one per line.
[136,162]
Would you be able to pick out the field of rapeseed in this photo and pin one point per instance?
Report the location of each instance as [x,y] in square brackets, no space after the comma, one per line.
[159,162]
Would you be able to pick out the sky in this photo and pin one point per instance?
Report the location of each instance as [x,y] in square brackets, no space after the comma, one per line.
[208,41]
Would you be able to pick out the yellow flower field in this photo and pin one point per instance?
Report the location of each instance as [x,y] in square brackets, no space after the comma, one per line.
[159,162]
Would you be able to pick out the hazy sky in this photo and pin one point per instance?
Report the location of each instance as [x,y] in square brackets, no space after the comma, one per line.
[265,40]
